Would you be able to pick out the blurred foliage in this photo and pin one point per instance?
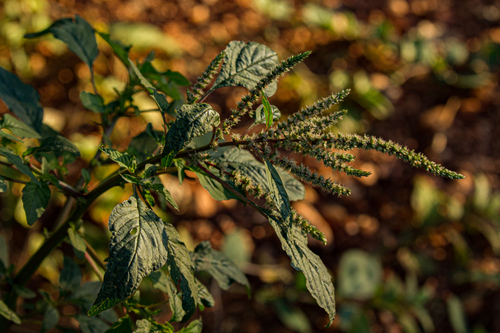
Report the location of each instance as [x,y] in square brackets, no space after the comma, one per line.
[423,255]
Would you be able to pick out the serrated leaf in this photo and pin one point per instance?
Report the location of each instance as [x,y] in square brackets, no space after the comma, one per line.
[192,120]
[138,246]
[163,190]
[71,276]
[194,327]
[50,318]
[181,270]
[218,265]
[294,241]
[123,325]
[91,325]
[242,160]
[18,128]
[125,160]
[9,314]
[164,283]
[120,50]
[22,99]
[18,163]
[35,199]
[78,243]
[78,35]
[245,64]
[216,190]
[92,102]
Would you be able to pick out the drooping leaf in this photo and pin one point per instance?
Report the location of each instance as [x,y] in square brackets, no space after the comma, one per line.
[18,128]
[164,283]
[204,296]
[9,314]
[194,327]
[71,276]
[218,265]
[92,102]
[18,163]
[50,318]
[245,64]
[123,325]
[294,241]
[78,243]
[242,160]
[78,35]
[192,120]
[181,270]
[216,190]
[138,246]
[125,160]
[35,199]
[22,99]
[120,50]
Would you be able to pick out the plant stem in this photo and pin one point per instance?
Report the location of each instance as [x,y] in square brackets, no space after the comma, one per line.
[93,254]
[14,180]
[94,266]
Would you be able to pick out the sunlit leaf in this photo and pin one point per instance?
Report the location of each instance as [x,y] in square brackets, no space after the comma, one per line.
[125,160]
[18,128]
[268,111]
[8,313]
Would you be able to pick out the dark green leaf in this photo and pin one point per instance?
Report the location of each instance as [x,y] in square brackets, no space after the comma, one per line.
[24,292]
[85,295]
[245,64]
[142,146]
[160,99]
[4,251]
[268,111]
[18,163]
[164,283]
[204,296]
[218,265]
[71,277]
[3,185]
[78,36]
[192,120]
[35,199]
[91,325]
[9,314]
[293,317]
[163,190]
[216,190]
[194,327]
[78,243]
[86,177]
[181,167]
[120,50]
[123,325]
[57,145]
[50,318]
[278,192]
[138,246]
[125,160]
[177,78]
[22,99]
[181,270]
[242,160]
[92,102]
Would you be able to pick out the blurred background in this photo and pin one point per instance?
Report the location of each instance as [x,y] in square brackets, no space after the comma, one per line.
[408,251]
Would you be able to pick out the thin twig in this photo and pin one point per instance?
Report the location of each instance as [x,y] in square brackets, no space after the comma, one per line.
[14,180]
[92,252]
[94,267]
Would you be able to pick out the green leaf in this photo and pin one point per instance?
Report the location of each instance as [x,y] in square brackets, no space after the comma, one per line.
[150,326]
[180,164]
[125,160]
[245,64]
[138,246]
[24,292]
[216,190]
[142,146]
[3,185]
[22,99]
[9,136]
[120,50]
[164,283]
[123,325]
[160,99]
[57,145]
[92,102]
[181,270]
[218,265]
[91,325]
[9,314]
[193,120]
[35,199]
[456,314]
[278,192]
[18,163]
[86,177]
[50,318]
[204,296]
[194,327]
[18,128]
[260,115]
[78,243]
[163,190]
[268,111]
[131,179]
[242,160]
[71,277]
[78,36]
[360,274]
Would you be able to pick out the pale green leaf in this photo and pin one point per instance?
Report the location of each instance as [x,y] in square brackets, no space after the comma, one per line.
[260,115]
[78,243]
[125,160]
[22,99]
[245,64]
[70,277]
[78,36]
[35,199]
[18,128]
[242,160]
[360,274]
[268,111]
[194,327]
[151,326]
[18,163]
[192,120]
[218,265]
[92,102]
[138,246]
[456,314]
[8,313]
[50,318]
